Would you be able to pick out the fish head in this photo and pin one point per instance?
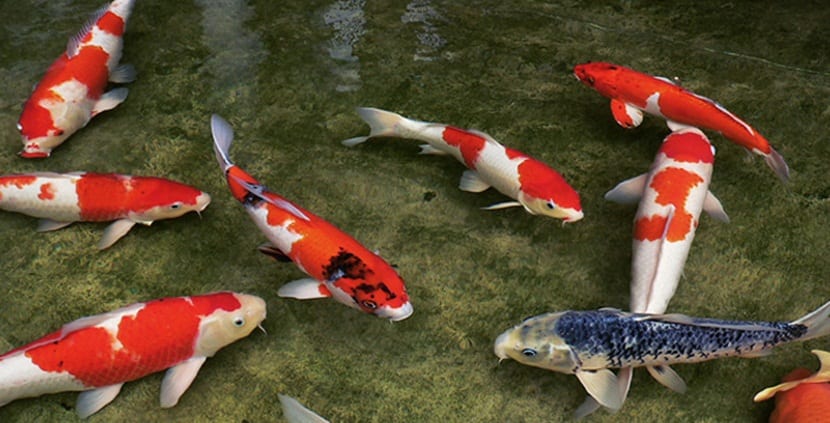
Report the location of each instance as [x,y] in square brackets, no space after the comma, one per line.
[46,124]
[368,284]
[543,191]
[601,76]
[534,343]
[159,198]
[223,326]
[567,209]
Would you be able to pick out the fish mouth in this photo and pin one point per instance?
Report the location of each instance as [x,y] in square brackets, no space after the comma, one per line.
[203,200]
[501,346]
[396,314]
[26,154]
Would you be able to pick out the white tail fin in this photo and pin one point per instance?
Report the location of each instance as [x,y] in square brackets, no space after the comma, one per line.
[776,162]
[817,322]
[381,122]
[222,139]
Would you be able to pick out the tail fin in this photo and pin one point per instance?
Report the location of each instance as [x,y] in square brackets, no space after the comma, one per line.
[382,124]
[222,139]
[294,412]
[817,322]
[776,162]
[821,376]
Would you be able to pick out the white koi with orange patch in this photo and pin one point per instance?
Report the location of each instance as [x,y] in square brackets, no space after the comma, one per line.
[671,197]
[61,199]
[534,185]
[72,90]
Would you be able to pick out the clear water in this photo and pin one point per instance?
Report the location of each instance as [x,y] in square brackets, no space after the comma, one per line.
[288,75]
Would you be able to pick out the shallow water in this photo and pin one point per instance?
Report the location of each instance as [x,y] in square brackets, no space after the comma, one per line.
[288,75]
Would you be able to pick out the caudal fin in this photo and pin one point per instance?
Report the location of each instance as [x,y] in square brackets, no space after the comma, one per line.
[381,122]
[776,162]
[817,322]
[222,139]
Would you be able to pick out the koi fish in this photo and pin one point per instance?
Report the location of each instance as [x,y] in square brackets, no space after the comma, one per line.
[61,199]
[72,91]
[803,397]
[294,412]
[531,183]
[98,354]
[590,343]
[633,93]
[672,195]
[338,265]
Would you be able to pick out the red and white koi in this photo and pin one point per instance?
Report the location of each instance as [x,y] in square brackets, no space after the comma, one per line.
[633,93]
[802,397]
[671,197]
[339,266]
[61,199]
[532,184]
[98,354]
[72,90]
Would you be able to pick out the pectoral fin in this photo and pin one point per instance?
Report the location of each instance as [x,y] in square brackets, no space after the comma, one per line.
[123,74]
[625,114]
[89,402]
[668,378]
[472,182]
[504,205]
[428,149]
[274,252]
[821,376]
[677,126]
[110,100]
[714,209]
[628,191]
[46,225]
[304,289]
[294,412]
[602,386]
[177,379]
[591,405]
[114,232]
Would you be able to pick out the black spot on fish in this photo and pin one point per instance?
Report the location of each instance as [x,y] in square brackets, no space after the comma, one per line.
[351,266]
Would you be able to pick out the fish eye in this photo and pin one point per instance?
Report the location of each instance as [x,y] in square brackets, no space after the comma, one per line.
[59,132]
[239,321]
[176,206]
[369,304]
[529,352]
[551,205]
[19,127]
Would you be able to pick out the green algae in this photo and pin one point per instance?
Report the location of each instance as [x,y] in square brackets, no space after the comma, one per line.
[504,68]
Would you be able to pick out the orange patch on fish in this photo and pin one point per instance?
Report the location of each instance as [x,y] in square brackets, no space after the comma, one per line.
[541,181]
[808,402]
[47,192]
[688,147]
[673,186]
[111,23]
[80,353]
[18,181]
[470,144]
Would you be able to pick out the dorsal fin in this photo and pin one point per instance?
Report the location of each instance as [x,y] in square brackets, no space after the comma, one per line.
[73,46]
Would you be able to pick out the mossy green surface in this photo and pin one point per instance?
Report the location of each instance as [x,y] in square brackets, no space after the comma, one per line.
[505,68]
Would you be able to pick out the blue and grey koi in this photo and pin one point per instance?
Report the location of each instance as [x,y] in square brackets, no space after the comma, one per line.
[589,343]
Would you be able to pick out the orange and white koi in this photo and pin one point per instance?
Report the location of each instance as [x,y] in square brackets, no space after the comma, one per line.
[802,397]
[671,197]
[532,184]
[98,354]
[339,266]
[633,93]
[61,199]
[72,90]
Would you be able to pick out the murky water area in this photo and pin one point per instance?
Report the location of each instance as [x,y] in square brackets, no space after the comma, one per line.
[288,75]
